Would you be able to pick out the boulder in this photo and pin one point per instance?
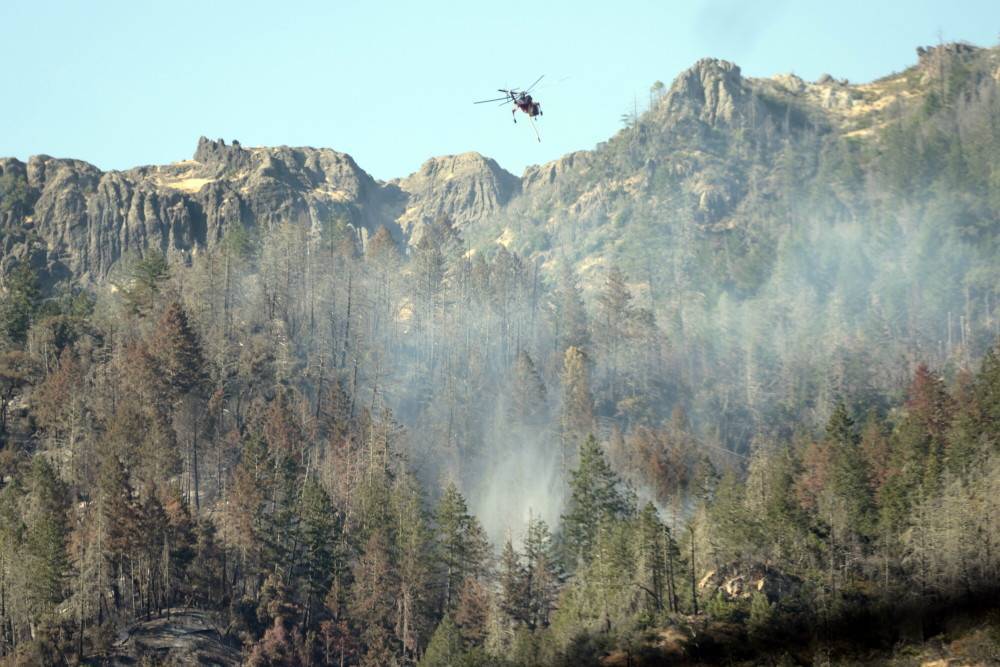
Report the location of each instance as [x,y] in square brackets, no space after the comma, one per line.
[738,581]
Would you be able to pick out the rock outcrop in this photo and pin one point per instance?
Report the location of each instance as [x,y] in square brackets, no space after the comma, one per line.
[735,582]
[82,220]
[464,188]
[86,220]
[179,636]
[713,91]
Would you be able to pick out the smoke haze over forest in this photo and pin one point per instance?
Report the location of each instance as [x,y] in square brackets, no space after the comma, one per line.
[720,389]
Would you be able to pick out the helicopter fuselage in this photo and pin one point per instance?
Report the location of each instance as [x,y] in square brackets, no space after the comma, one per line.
[527,105]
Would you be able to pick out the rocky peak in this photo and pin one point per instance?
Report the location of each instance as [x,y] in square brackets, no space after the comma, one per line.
[711,90]
[466,188]
[937,62]
[929,55]
[216,154]
[12,166]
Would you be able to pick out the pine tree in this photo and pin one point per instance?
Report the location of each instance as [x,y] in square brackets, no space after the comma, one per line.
[570,314]
[144,282]
[372,604]
[651,565]
[843,504]
[918,447]
[118,525]
[318,523]
[929,404]
[462,545]
[428,266]
[177,349]
[849,476]
[180,537]
[207,572]
[541,572]
[577,416]
[514,595]
[62,410]
[985,415]
[963,440]
[11,543]
[245,504]
[733,533]
[413,564]
[45,555]
[472,611]
[383,259]
[156,574]
[527,393]
[931,410]
[280,533]
[596,497]
[875,448]
[615,313]
[445,648]
[19,303]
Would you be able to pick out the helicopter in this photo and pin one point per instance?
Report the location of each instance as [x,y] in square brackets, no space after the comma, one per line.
[522,101]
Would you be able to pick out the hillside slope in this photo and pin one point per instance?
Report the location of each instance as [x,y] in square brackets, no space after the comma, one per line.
[773,228]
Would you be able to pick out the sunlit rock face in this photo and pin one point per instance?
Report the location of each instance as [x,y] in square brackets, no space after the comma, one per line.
[85,220]
[464,188]
[713,91]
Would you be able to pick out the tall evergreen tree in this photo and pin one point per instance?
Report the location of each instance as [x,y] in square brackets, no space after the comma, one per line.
[596,497]
[144,282]
[178,350]
[652,567]
[570,313]
[318,523]
[527,393]
[372,604]
[541,572]
[413,556]
[514,594]
[446,648]
[46,558]
[577,412]
[462,545]
[19,302]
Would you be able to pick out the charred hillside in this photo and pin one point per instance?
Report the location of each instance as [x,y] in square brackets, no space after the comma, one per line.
[724,388]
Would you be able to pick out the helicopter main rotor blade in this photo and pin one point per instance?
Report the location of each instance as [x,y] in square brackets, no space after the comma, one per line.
[493,100]
[529,88]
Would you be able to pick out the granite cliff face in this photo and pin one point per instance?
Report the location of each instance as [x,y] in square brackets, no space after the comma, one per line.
[712,91]
[74,222]
[465,188]
[80,221]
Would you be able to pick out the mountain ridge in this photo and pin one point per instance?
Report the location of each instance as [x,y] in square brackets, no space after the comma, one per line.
[77,221]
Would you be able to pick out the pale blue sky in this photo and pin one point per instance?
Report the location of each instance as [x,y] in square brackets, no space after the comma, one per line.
[124,83]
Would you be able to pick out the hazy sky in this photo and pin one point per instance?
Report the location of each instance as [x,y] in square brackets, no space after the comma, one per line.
[122,83]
